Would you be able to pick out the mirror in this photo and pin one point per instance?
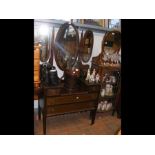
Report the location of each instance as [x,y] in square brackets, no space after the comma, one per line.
[41,36]
[86,45]
[111,46]
[66,46]
[44,50]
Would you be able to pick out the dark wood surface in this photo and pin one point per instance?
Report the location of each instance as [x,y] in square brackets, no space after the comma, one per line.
[59,100]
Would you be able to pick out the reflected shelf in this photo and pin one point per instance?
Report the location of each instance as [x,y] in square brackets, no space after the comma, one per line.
[58,23]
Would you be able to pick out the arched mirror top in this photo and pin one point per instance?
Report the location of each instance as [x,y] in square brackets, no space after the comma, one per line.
[66,46]
[86,44]
[42,37]
[111,42]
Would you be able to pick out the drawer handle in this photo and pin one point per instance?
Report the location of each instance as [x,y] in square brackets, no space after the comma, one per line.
[77,97]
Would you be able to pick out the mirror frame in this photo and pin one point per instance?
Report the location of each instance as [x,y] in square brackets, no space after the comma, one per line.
[62,28]
[82,44]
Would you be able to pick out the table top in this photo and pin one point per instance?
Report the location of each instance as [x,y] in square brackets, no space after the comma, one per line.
[82,88]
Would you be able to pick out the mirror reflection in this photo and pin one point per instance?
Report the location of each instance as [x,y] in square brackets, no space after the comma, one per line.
[112,42]
[66,46]
[87,46]
[111,47]
[41,36]
[44,50]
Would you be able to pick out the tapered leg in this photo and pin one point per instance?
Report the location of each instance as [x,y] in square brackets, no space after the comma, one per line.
[113,112]
[44,124]
[39,111]
[93,116]
[90,115]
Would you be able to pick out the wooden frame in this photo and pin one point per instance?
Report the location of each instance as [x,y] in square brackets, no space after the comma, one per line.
[61,52]
[96,22]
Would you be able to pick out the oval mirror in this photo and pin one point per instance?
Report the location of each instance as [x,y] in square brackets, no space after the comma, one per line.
[86,45]
[111,46]
[66,46]
[44,50]
[42,36]
[111,42]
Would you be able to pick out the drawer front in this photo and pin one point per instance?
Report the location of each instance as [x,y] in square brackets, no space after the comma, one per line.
[71,98]
[61,109]
[53,92]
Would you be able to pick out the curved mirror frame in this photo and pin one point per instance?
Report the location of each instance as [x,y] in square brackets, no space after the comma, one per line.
[86,43]
[66,46]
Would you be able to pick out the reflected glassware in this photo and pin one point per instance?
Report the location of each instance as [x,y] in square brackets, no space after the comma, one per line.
[102,92]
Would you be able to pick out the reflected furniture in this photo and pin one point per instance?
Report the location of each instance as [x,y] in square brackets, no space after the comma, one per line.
[36,70]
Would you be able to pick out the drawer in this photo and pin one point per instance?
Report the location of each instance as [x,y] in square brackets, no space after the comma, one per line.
[61,109]
[36,75]
[53,92]
[71,98]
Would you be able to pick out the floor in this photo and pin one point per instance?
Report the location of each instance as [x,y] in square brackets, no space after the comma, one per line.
[78,124]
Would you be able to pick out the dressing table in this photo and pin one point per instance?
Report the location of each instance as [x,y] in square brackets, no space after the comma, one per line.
[73,94]
[57,100]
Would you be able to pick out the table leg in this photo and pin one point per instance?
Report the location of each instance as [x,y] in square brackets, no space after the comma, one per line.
[113,112]
[39,111]
[44,124]
[90,115]
[93,116]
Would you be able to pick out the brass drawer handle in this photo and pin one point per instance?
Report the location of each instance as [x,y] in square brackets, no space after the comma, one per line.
[77,97]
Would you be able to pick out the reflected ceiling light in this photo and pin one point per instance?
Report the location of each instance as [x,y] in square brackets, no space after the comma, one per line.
[44,30]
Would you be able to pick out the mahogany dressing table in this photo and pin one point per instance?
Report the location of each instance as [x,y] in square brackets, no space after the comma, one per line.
[57,100]
[71,94]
